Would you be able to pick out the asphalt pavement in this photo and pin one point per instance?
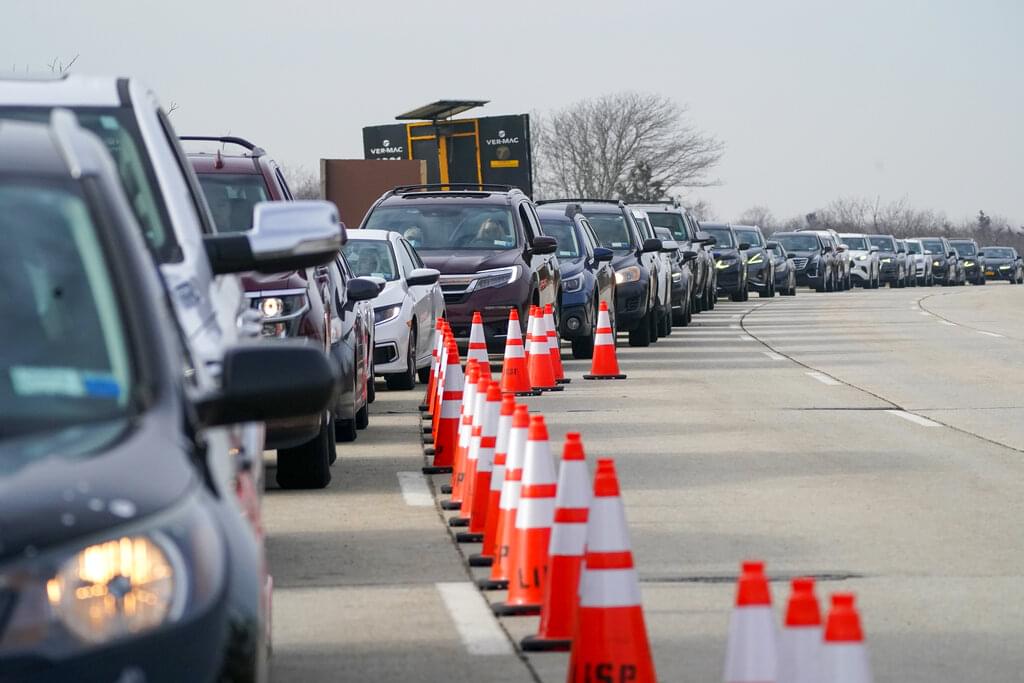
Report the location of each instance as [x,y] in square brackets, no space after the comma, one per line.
[873,439]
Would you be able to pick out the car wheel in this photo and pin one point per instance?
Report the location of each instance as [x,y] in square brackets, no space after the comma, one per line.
[371,386]
[641,336]
[363,417]
[654,319]
[308,465]
[345,431]
[423,375]
[405,380]
[665,324]
[582,347]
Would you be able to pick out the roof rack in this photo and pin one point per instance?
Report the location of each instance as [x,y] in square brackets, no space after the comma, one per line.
[577,200]
[227,140]
[675,203]
[455,187]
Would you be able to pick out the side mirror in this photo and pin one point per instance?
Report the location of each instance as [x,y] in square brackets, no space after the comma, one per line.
[285,236]
[873,250]
[901,250]
[743,246]
[669,246]
[826,250]
[772,245]
[689,256]
[706,238]
[261,382]
[362,289]
[952,254]
[843,247]
[543,244]
[422,276]
[981,254]
[650,244]
[603,254]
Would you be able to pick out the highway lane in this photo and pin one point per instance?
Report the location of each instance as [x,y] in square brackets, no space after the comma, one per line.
[871,438]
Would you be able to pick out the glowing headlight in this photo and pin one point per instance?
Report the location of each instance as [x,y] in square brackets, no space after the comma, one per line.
[271,307]
[757,258]
[887,260]
[627,274]
[1004,267]
[386,313]
[862,257]
[936,263]
[283,304]
[722,265]
[676,277]
[499,277]
[968,264]
[117,588]
[572,284]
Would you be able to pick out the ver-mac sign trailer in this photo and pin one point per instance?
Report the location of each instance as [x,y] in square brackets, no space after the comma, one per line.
[486,150]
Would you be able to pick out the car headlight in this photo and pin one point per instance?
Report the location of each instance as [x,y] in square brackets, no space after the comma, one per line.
[968,264]
[627,274]
[572,284]
[936,263]
[676,277]
[499,277]
[1004,267]
[723,264]
[862,257]
[756,258]
[887,260]
[143,577]
[281,306]
[386,313]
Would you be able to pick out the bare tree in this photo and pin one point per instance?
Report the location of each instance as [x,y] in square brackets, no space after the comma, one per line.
[759,215]
[303,183]
[590,148]
[58,66]
[701,210]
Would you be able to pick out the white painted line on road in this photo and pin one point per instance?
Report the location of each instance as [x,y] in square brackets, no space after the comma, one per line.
[946,322]
[744,337]
[773,355]
[925,313]
[916,419]
[824,379]
[414,489]
[989,334]
[473,620]
[734,327]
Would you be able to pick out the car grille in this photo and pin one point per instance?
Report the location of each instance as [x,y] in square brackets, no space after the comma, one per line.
[455,287]
[799,263]
[385,353]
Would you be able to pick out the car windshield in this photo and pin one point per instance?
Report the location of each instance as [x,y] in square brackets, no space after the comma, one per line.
[564,233]
[776,249]
[611,230]
[965,248]
[446,226]
[998,252]
[751,237]
[371,257]
[914,247]
[723,235]
[231,197]
[68,363]
[798,242]
[883,243]
[673,221]
[117,129]
[934,246]
[854,243]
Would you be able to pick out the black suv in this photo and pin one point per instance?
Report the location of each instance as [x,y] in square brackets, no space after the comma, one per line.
[974,264]
[812,260]
[634,261]
[488,244]
[689,237]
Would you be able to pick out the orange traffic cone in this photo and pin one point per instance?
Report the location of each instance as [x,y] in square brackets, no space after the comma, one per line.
[751,654]
[542,375]
[465,433]
[554,345]
[531,328]
[605,364]
[508,504]
[479,467]
[800,640]
[565,554]
[529,551]
[490,539]
[609,635]
[435,359]
[515,378]
[844,656]
[478,342]
[447,414]
[435,406]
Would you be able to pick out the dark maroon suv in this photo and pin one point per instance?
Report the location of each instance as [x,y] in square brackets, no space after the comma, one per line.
[488,244]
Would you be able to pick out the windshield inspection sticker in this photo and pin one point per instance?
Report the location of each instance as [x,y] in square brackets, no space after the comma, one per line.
[41,381]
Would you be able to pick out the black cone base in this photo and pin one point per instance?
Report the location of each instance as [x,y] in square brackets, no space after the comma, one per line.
[538,644]
[554,388]
[424,407]
[503,609]
[492,584]
[564,380]
[458,521]
[532,392]
[446,488]
[427,430]
[604,377]
[480,560]
[437,470]
[450,505]
[428,450]
[468,537]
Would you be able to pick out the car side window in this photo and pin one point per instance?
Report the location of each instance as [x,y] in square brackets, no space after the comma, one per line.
[588,240]
[195,192]
[416,260]
[528,227]
[405,262]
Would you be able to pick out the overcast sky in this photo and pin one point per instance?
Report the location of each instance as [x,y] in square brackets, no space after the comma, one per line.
[813,99]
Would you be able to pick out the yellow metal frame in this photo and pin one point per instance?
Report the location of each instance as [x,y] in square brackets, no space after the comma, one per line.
[442,144]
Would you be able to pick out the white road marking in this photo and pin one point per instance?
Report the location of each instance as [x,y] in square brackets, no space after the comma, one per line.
[414,489]
[824,379]
[734,327]
[946,322]
[925,313]
[989,334]
[773,355]
[916,419]
[472,617]
[744,337]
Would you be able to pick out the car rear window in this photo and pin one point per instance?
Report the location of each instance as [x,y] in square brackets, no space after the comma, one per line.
[232,197]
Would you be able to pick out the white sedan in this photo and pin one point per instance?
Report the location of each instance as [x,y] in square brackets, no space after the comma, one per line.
[406,310]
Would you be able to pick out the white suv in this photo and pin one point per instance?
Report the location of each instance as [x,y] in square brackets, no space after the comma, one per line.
[864,263]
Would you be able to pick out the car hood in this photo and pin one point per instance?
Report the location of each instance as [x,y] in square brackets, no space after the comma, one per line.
[719,253]
[992,261]
[569,268]
[78,481]
[469,260]
[258,282]
[803,253]
[393,293]
[624,259]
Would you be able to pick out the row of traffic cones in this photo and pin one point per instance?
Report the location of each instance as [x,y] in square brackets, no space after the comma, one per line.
[804,652]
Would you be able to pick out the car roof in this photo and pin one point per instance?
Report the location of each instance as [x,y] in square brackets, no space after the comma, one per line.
[663,207]
[588,205]
[60,149]
[70,89]
[204,162]
[746,227]
[368,234]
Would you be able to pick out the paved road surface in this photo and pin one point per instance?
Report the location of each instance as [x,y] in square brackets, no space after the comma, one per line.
[874,439]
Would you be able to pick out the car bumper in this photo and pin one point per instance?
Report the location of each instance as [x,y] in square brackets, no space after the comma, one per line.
[729,279]
[631,303]
[757,277]
[861,270]
[888,272]
[996,274]
[390,346]
[577,317]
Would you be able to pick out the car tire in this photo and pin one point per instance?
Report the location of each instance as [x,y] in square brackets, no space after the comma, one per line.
[641,336]
[371,386]
[363,417]
[308,465]
[582,347]
[345,431]
[403,381]
[423,375]
[665,324]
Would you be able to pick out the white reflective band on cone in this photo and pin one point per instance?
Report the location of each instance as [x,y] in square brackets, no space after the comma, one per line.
[846,663]
[449,409]
[498,479]
[573,485]
[603,320]
[752,651]
[514,351]
[510,495]
[612,588]
[504,430]
[606,526]
[535,513]
[568,539]
[800,654]
[485,458]
[514,462]
[479,401]
[474,448]
[538,465]
[603,339]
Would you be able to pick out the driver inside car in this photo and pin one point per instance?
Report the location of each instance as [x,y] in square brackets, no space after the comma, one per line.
[491,233]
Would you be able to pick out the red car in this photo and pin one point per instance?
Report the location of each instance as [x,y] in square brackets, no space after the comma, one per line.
[321,304]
